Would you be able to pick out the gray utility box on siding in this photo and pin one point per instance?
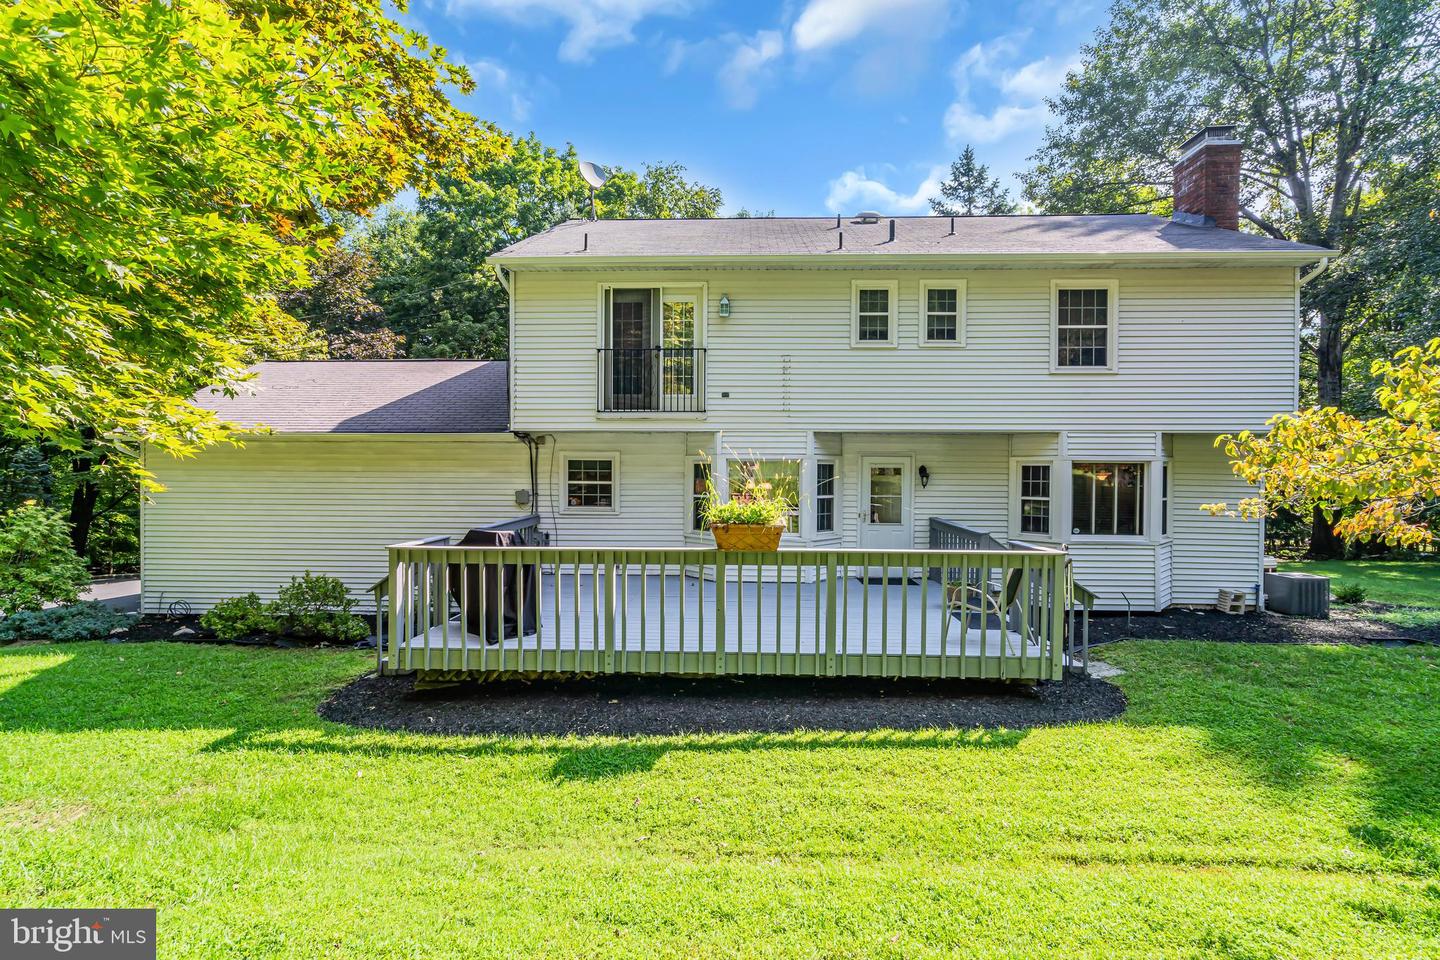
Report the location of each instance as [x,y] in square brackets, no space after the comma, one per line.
[1298,594]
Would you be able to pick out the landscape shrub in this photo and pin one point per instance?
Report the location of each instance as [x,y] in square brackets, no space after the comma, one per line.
[238,617]
[1349,593]
[37,564]
[89,620]
[318,608]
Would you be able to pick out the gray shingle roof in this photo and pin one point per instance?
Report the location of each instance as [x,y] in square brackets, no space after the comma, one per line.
[1109,235]
[370,396]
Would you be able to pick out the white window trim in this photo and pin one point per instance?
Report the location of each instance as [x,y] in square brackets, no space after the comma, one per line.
[1056,534]
[614,459]
[1112,338]
[855,287]
[961,288]
[690,464]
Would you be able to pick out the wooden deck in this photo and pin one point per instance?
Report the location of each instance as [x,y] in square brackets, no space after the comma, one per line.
[805,613]
[767,618]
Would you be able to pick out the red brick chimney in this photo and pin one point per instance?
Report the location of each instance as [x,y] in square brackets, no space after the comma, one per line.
[1207,180]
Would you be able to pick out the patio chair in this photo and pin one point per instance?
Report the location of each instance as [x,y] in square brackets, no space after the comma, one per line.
[987,599]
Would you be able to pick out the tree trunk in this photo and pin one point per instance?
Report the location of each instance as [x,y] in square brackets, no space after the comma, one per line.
[82,510]
[84,497]
[1324,544]
[1330,359]
[1330,385]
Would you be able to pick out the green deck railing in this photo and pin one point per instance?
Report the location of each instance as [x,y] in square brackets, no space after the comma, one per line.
[1001,614]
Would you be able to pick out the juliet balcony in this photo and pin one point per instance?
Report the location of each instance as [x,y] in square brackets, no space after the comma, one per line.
[650,380]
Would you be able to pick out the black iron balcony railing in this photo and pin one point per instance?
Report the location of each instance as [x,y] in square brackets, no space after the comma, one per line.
[651,379]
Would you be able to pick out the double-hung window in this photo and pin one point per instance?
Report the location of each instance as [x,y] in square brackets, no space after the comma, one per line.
[824,496]
[1083,325]
[942,313]
[590,483]
[872,309]
[1107,499]
[1035,498]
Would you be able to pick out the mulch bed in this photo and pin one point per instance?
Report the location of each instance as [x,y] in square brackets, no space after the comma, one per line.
[1347,624]
[622,705]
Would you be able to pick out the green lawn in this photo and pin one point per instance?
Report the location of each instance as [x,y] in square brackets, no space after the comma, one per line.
[1255,801]
[1407,584]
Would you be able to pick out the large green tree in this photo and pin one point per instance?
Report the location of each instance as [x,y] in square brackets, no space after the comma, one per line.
[970,190]
[432,280]
[1328,95]
[163,168]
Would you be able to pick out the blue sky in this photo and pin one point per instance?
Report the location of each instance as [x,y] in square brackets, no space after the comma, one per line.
[808,107]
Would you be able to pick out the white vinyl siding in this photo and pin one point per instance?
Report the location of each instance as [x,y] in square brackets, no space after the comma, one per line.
[235,520]
[232,520]
[784,358]
[1209,552]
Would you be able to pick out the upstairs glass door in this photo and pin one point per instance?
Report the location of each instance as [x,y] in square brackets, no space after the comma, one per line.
[632,355]
[677,343]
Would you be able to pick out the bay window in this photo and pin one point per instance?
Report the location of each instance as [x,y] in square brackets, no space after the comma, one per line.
[1107,499]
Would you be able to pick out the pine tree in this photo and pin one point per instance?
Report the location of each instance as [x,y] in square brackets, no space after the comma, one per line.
[970,191]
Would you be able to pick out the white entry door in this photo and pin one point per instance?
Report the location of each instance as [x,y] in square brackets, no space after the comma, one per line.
[885,503]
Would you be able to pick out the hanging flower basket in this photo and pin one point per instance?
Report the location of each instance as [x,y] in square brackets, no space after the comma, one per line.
[753,537]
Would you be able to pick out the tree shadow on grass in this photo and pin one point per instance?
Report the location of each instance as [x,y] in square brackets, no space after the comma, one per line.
[1296,716]
[266,700]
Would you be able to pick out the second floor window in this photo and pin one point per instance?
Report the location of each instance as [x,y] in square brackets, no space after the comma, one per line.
[1107,499]
[942,313]
[873,309]
[1084,326]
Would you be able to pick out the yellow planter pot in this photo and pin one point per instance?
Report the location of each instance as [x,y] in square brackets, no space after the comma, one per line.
[747,536]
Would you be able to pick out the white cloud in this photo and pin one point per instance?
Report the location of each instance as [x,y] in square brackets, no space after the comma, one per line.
[826,23]
[1038,79]
[964,124]
[494,83]
[593,24]
[1020,92]
[751,60]
[854,190]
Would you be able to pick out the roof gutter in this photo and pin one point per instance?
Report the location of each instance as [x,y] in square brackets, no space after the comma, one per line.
[1318,269]
[580,262]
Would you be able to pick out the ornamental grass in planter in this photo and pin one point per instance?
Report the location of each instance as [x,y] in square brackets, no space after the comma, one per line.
[754,516]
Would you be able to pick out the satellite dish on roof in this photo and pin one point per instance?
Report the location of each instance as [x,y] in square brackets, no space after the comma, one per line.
[595,175]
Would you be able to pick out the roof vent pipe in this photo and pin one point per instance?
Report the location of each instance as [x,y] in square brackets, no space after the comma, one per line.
[952,226]
[837,221]
[892,231]
[842,241]
[587,242]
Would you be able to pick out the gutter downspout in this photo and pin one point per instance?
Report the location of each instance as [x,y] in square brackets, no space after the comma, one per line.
[1314,272]
[503,277]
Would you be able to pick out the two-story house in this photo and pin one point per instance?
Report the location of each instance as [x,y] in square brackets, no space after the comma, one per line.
[1058,380]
